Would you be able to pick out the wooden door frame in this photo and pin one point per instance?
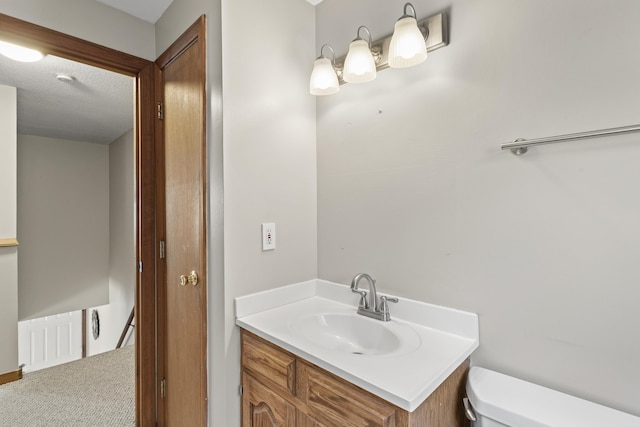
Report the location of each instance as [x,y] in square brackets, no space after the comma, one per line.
[143,71]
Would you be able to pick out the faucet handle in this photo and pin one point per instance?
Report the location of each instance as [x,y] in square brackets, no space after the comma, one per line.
[363,298]
[384,307]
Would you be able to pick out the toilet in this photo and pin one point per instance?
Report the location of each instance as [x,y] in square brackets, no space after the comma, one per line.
[498,400]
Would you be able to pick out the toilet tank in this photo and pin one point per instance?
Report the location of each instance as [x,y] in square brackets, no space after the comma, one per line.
[500,400]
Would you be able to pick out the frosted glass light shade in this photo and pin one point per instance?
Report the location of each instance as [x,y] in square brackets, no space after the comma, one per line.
[324,80]
[19,53]
[359,65]
[407,47]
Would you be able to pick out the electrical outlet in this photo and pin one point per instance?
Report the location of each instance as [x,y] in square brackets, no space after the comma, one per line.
[268,236]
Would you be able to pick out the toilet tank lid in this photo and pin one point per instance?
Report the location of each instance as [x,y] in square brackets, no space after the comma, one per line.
[515,402]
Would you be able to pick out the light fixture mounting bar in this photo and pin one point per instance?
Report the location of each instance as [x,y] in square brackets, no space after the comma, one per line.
[436,27]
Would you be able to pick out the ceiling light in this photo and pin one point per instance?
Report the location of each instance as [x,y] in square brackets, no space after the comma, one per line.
[324,80]
[66,78]
[408,45]
[19,53]
[359,66]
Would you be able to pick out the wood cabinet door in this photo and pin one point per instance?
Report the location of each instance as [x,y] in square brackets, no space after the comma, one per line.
[305,420]
[262,407]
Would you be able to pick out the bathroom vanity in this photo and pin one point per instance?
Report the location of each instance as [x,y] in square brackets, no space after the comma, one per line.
[281,389]
[309,360]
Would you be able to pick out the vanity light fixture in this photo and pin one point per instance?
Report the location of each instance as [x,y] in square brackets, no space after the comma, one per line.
[19,53]
[392,51]
[360,66]
[324,78]
[408,45]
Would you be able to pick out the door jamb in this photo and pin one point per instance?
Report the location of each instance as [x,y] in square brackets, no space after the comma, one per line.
[59,44]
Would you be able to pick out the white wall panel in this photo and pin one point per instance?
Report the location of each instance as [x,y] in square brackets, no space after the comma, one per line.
[50,340]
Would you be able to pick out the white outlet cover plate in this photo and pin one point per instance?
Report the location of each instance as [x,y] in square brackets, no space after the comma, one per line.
[268,236]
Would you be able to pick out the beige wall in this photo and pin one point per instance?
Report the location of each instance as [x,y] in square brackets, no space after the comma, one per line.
[8,186]
[122,256]
[122,250]
[269,154]
[64,225]
[8,230]
[56,289]
[413,188]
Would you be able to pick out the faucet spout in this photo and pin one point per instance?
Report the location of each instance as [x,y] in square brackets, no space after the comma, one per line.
[373,295]
[370,307]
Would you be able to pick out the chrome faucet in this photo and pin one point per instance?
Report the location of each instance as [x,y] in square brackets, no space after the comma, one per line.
[370,308]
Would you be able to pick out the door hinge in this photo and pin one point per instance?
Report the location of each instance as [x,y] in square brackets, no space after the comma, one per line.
[140,267]
[163,388]
[162,249]
[160,110]
[240,390]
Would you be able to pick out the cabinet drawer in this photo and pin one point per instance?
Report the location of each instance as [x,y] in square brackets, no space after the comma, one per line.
[334,402]
[266,361]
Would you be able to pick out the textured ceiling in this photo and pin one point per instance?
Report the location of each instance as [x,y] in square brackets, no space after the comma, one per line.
[97,106]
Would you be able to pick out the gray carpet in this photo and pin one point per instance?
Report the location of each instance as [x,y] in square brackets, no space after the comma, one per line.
[93,392]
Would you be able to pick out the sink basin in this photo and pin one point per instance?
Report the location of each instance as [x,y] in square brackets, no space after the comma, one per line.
[356,334]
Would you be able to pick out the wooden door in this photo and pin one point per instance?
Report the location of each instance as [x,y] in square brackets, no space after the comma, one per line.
[182,337]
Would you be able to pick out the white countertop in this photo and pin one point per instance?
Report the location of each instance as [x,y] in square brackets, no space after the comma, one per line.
[446,338]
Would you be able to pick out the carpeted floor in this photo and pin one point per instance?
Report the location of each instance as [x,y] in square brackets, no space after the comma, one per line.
[98,391]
